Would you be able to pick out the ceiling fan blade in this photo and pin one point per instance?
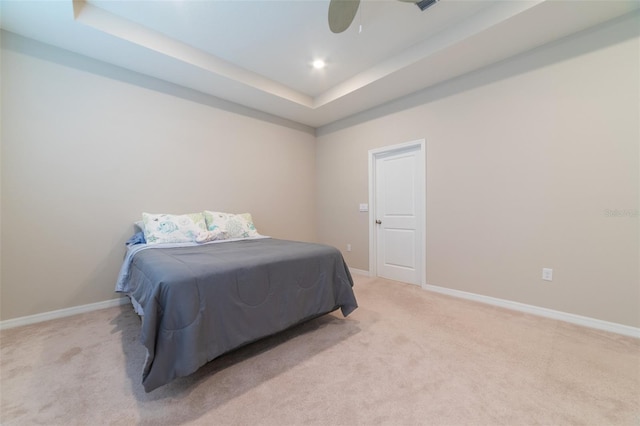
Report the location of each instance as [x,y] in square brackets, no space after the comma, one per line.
[341,14]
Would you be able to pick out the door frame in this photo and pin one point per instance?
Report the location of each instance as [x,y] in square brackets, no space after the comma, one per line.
[374,154]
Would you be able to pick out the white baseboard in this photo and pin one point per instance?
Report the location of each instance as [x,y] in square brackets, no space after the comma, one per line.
[359,271]
[613,327]
[624,330]
[61,313]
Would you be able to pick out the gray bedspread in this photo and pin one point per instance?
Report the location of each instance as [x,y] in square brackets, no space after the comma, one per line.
[200,302]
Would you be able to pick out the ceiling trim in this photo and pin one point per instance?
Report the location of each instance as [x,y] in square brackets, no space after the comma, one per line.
[124,29]
[475,39]
[127,30]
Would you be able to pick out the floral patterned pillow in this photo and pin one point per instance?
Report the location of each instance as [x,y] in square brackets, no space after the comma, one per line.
[169,228]
[235,225]
[206,236]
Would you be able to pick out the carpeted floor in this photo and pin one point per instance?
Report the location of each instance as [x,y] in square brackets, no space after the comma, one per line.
[405,357]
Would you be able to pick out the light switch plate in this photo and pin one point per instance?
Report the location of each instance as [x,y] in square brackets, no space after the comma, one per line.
[364,207]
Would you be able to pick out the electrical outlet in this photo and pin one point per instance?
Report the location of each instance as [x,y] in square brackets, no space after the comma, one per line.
[547,274]
[348,247]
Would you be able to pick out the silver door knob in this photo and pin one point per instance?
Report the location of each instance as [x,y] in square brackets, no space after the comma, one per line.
[378,222]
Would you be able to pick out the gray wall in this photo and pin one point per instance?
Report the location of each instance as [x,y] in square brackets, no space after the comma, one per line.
[87,147]
[531,163]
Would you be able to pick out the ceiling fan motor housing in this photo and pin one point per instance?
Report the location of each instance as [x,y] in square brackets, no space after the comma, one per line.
[424,4]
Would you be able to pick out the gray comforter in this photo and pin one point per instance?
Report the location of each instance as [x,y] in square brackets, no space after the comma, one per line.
[202,301]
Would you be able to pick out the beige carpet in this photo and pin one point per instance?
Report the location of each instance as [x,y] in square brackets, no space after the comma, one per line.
[405,357]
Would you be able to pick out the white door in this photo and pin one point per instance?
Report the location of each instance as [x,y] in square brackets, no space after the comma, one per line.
[398,213]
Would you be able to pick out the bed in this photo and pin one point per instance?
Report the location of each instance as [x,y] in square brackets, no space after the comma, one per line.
[199,301]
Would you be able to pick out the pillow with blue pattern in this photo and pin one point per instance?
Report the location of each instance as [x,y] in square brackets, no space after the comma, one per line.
[235,225]
[169,228]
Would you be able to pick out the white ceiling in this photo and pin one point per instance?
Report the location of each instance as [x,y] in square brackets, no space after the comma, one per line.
[258,53]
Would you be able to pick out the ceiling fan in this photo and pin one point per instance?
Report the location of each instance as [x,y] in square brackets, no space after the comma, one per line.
[342,12]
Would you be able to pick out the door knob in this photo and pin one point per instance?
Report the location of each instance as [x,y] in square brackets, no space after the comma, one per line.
[378,222]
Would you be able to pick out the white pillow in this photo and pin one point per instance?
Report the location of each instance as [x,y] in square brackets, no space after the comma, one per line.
[235,225]
[169,228]
[206,236]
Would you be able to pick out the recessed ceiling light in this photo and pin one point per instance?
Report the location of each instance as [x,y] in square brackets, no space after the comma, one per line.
[319,64]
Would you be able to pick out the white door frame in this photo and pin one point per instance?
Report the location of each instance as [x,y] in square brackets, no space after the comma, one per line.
[374,154]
